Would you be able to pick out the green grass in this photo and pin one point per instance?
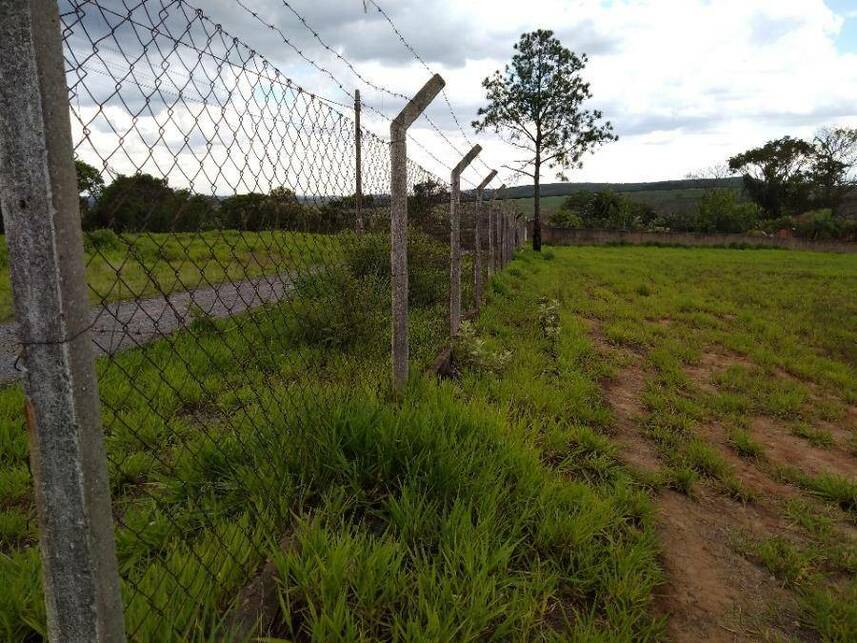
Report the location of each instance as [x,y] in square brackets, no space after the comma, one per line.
[128,266]
[490,507]
[494,505]
[744,444]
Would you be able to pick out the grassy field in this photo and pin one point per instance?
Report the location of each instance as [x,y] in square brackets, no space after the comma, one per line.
[678,201]
[143,265]
[638,443]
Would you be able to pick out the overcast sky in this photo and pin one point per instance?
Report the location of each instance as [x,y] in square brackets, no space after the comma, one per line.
[686,83]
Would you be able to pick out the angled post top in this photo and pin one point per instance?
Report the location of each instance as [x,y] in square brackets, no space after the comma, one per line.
[486,181]
[497,191]
[418,104]
[467,160]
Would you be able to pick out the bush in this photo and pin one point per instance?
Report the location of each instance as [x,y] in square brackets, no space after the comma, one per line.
[471,351]
[603,211]
[721,211]
[817,225]
[142,202]
[339,310]
[428,264]
[563,218]
[101,240]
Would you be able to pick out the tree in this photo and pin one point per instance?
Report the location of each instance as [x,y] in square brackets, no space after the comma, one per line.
[834,158]
[421,206]
[139,202]
[536,105]
[89,180]
[90,183]
[776,175]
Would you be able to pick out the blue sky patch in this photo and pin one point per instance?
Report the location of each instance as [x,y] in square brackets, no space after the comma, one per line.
[847,40]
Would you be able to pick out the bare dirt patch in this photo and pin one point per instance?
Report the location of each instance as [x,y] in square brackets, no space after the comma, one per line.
[712,593]
[759,482]
[623,393]
[712,364]
[784,448]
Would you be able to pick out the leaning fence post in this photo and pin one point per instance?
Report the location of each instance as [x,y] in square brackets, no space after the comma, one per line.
[477,261]
[455,240]
[399,223]
[358,163]
[39,198]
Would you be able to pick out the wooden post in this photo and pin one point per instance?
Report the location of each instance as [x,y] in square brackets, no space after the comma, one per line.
[358,163]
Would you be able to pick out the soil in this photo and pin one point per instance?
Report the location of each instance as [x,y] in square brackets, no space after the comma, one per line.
[782,447]
[711,592]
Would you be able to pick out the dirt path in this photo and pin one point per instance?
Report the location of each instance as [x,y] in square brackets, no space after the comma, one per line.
[711,592]
[128,324]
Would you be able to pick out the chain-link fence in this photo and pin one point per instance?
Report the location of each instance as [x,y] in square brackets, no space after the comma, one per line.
[237,260]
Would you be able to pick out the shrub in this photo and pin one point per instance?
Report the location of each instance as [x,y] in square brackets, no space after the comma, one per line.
[817,225]
[471,351]
[563,218]
[101,240]
[338,309]
[721,211]
[428,264]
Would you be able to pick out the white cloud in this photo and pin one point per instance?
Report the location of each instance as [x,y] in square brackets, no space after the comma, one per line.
[685,82]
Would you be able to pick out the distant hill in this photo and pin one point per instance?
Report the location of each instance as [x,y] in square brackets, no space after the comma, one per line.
[669,198]
[563,189]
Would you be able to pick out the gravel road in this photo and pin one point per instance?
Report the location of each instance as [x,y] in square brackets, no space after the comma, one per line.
[128,324]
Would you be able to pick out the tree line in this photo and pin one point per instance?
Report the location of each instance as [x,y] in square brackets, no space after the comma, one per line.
[788,184]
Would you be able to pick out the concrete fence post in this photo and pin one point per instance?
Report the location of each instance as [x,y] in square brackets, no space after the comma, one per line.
[477,260]
[507,236]
[455,240]
[399,223]
[358,164]
[503,234]
[39,198]
[492,232]
[498,234]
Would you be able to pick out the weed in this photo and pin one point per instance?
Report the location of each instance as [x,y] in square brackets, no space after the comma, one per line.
[745,445]
[471,351]
[681,479]
[785,560]
[817,437]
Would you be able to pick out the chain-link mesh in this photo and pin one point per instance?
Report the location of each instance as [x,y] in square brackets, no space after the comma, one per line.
[236,278]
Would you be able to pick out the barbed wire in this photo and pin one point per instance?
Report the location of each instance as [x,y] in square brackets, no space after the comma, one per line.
[362,77]
[425,65]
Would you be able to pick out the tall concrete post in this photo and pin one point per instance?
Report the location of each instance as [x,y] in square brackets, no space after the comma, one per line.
[507,236]
[399,223]
[358,163]
[498,222]
[455,240]
[39,198]
[477,259]
[492,232]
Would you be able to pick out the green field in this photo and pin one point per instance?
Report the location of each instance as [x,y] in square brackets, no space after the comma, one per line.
[627,427]
[679,201]
[143,265]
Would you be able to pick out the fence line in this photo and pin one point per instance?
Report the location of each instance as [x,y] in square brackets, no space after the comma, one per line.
[236,252]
